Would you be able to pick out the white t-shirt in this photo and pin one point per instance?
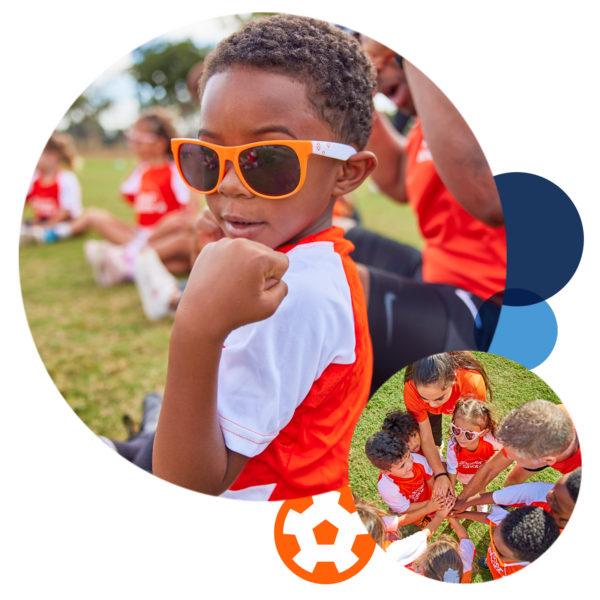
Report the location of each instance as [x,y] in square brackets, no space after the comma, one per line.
[268,368]
[399,500]
[69,191]
[525,494]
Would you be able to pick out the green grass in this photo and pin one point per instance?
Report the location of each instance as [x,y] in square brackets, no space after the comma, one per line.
[98,347]
[104,356]
[512,384]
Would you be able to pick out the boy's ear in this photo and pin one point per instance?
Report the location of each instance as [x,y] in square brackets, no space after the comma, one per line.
[355,170]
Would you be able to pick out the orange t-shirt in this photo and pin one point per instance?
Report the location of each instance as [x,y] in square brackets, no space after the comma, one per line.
[588,453]
[468,383]
[497,566]
[459,249]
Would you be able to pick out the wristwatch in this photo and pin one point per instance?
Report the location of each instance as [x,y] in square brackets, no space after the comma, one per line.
[399,58]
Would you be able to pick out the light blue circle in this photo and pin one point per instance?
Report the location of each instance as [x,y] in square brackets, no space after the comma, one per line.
[525,334]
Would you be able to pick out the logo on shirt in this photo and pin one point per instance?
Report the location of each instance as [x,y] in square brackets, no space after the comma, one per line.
[321,538]
[416,493]
[424,153]
[148,203]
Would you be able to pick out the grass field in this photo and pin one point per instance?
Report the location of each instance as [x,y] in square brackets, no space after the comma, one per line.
[512,384]
[98,347]
[104,356]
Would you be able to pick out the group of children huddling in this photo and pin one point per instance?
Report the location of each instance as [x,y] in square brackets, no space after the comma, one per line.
[407,482]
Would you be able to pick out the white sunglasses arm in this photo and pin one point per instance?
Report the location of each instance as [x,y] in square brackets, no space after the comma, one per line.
[333,150]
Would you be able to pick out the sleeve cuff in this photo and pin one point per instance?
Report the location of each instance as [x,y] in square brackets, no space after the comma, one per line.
[242,440]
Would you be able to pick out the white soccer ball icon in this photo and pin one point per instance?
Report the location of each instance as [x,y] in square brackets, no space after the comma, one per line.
[326,513]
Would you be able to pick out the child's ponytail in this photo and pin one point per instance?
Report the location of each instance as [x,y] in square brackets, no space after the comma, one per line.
[475,411]
[441,561]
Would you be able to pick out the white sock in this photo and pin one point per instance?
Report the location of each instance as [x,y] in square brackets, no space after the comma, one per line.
[63,230]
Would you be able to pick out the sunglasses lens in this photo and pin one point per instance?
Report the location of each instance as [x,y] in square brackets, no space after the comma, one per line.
[271,170]
[200,167]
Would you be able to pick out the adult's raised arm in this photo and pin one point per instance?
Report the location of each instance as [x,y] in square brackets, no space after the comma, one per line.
[388,145]
[458,157]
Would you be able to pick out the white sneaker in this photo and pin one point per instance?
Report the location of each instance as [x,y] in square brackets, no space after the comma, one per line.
[114,266]
[482,508]
[94,252]
[155,284]
[31,234]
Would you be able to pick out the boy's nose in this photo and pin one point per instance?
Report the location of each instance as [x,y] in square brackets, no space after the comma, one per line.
[231,185]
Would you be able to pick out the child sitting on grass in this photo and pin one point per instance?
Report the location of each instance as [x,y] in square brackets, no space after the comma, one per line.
[472,442]
[266,410]
[405,481]
[516,538]
[54,194]
[381,526]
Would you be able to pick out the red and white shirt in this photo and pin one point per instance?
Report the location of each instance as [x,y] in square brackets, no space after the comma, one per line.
[497,566]
[399,492]
[459,249]
[291,388]
[465,463]
[525,494]
[48,198]
[154,191]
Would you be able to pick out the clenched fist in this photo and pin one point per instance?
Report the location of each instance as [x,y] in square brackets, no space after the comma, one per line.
[233,283]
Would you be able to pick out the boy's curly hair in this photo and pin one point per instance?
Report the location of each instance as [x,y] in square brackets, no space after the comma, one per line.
[340,78]
[529,531]
[402,424]
[574,483]
[385,449]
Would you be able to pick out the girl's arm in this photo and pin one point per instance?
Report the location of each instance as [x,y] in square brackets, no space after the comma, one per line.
[62,215]
[227,288]
[461,532]
[452,477]
[442,485]
[473,516]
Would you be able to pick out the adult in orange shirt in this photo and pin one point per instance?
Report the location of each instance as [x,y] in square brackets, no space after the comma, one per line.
[535,436]
[441,171]
[432,387]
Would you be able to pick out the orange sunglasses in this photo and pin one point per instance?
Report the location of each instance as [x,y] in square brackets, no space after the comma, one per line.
[272,169]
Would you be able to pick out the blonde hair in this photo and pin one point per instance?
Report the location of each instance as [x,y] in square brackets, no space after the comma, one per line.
[440,556]
[62,144]
[475,411]
[372,519]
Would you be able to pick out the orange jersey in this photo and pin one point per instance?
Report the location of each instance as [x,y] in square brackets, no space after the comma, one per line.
[468,383]
[154,191]
[465,463]
[399,493]
[588,452]
[291,388]
[47,198]
[497,566]
[459,249]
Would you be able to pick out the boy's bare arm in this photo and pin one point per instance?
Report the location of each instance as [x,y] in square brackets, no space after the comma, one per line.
[388,145]
[485,498]
[418,510]
[458,157]
[233,283]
